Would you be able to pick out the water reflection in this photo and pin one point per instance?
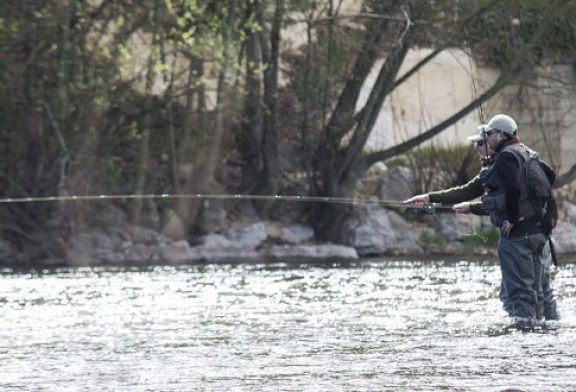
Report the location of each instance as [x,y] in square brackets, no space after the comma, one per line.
[375,325]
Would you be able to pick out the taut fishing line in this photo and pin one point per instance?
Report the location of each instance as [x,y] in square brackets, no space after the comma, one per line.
[472,74]
[429,207]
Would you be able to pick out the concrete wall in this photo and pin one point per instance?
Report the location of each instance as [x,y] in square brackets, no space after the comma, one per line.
[430,96]
[544,109]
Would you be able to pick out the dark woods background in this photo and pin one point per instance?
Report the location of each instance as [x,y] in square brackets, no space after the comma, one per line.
[205,96]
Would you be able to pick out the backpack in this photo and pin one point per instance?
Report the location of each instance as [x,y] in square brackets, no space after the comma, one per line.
[539,180]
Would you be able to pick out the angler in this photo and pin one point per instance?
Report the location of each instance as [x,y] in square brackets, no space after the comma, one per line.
[524,248]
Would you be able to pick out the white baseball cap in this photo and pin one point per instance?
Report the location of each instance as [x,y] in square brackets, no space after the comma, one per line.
[481,135]
[502,123]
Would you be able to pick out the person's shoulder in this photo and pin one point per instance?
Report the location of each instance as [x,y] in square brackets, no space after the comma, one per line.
[508,156]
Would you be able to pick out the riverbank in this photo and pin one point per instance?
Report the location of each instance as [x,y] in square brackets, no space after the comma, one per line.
[231,231]
[371,232]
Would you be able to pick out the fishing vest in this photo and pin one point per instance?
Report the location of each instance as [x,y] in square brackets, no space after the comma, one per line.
[494,198]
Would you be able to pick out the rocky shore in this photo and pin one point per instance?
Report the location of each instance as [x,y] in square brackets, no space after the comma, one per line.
[372,231]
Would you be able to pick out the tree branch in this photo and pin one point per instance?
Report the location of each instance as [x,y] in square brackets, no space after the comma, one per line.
[566,178]
[404,147]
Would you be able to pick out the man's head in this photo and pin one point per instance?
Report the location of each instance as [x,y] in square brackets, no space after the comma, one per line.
[480,143]
[500,127]
[504,124]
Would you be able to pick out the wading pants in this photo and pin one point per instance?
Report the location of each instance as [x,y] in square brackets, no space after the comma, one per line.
[546,299]
[522,266]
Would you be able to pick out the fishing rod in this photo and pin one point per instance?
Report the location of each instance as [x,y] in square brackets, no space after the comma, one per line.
[472,74]
[243,197]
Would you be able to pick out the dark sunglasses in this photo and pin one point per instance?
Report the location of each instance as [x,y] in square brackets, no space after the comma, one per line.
[480,143]
[490,132]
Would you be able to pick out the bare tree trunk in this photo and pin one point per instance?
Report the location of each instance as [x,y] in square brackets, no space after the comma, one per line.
[334,164]
[144,148]
[168,75]
[258,136]
[342,163]
[207,174]
[270,131]
[189,155]
[250,136]
[208,158]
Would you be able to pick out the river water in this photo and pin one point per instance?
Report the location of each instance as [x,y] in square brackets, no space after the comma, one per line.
[376,325]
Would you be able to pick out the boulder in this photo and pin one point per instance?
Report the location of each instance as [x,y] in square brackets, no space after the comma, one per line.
[456,227]
[396,184]
[289,234]
[564,235]
[227,254]
[249,236]
[308,252]
[375,231]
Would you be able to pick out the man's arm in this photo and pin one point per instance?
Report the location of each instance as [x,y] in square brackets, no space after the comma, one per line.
[471,190]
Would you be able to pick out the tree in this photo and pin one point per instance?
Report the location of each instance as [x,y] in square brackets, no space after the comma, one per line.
[120,97]
[339,158]
[258,131]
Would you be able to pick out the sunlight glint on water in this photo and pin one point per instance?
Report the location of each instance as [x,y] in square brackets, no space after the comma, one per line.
[378,325]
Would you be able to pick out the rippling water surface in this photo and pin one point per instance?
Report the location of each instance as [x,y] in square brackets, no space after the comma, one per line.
[376,325]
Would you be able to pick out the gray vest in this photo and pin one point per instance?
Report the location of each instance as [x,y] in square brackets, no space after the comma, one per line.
[494,198]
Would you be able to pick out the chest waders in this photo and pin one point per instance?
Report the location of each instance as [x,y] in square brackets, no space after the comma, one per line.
[520,254]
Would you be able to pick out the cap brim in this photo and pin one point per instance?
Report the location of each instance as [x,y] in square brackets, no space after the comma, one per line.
[474,138]
[481,135]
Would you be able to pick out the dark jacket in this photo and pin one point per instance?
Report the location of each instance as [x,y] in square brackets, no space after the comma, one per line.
[506,194]
[469,191]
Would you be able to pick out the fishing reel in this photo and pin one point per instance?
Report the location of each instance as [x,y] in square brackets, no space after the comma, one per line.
[429,208]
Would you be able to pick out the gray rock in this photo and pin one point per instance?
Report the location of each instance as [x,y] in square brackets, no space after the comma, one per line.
[307,252]
[212,216]
[375,231]
[223,254]
[564,235]
[249,236]
[456,227]
[142,254]
[90,247]
[289,234]
[176,252]
[173,227]
[395,184]
[569,212]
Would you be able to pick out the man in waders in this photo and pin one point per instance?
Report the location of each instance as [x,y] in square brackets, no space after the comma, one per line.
[511,206]
[524,252]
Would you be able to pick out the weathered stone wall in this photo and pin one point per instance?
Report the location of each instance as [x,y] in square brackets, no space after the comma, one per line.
[544,109]
[545,113]
[432,95]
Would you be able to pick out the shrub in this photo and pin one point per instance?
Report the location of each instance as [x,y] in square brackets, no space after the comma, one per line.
[435,168]
[486,237]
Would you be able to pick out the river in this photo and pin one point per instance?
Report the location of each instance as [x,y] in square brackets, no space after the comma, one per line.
[373,325]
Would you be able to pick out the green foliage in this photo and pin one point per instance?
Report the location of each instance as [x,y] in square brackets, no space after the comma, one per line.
[427,238]
[73,104]
[525,33]
[486,237]
[397,162]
